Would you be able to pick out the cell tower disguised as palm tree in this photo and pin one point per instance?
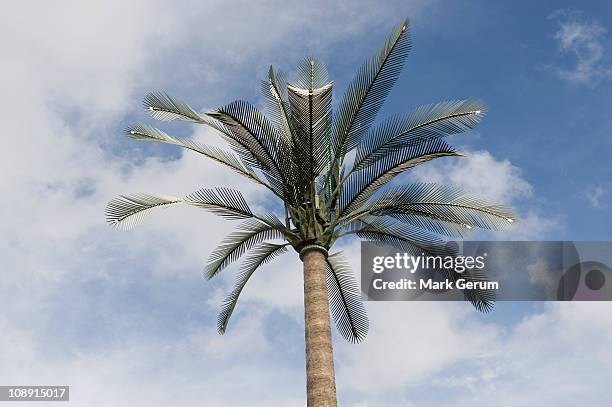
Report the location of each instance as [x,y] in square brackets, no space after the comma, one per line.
[332,174]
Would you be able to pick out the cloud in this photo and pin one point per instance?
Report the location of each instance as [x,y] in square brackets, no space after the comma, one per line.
[595,195]
[480,173]
[584,40]
[540,274]
[552,369]
[409,343]
[546,368]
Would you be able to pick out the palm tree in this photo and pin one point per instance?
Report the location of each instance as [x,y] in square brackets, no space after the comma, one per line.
[332,174]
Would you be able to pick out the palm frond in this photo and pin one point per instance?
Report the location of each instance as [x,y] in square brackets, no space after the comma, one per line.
[128,211]
[481,299]
[345,303]
[275,92]
[310,116]
[141,131]
[440,227]
[260,255]
[443,203]
[424,123]
[250,128]
[361,185]
[311,74]
[249,233]
[257,142]
[225,202]
[368,90]
[404,237]
[164,107]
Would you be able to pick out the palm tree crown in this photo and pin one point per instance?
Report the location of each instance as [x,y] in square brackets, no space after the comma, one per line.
[331,172]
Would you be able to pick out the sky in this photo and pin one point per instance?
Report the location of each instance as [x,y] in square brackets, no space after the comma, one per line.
[127,319]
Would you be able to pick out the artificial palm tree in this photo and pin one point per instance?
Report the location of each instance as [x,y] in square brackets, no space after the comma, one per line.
[332,174]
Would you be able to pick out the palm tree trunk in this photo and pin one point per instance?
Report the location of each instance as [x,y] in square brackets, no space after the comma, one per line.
[320,380]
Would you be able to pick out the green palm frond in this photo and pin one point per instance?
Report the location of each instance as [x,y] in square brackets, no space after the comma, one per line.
[163,107]
[275,92]
[128,211]
[345,303]
[260,255]
[361,185]
[252,130]
[310,118]
[482,299]
[400,236]
[310,114]
[257,142]
[225,202]
[443,203]
[368,90]
[424,123]
[440,227]
[250,233]
[311,74]
[141,131]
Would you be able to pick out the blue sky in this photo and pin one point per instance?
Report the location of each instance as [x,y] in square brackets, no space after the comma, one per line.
[127,319]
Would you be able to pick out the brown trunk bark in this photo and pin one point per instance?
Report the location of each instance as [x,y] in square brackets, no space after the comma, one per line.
[320,380]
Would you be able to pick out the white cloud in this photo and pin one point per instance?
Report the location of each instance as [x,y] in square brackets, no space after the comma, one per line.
[595,195]
[540,274]
[410,342]
[479,172]
[438,354]
[585,41]
[560,357]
